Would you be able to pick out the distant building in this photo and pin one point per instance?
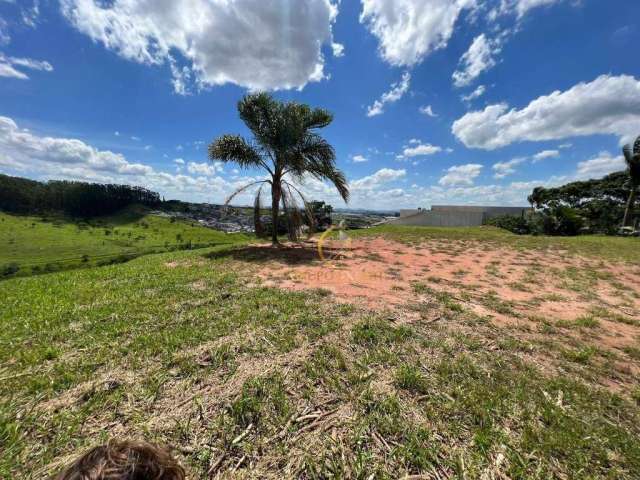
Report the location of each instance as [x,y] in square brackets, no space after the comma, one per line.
[454,215]
[409,211]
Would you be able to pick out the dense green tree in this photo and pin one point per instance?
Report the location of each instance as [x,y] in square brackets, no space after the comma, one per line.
[632,157]
[599,202]
[20,195]
[321,212]
[287,146]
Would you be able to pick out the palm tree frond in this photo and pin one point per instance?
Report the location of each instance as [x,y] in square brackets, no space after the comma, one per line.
[261,113]
[242,189]
[323,171]
[628,155]
[292,214]
[340,182]
[234,148]
[316,156]
[257,207]
[318,118]
[307,208]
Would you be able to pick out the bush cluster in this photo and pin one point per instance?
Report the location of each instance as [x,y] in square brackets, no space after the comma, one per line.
[555,220]
[9,269]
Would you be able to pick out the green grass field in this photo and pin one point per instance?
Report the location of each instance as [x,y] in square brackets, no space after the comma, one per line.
[187,349]
[41,244]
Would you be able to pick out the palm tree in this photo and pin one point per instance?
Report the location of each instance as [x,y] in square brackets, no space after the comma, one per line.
[632,156]
[286,144]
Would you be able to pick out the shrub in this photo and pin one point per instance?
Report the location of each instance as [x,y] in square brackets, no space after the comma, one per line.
[561,220]
[554,220]
[513,223]
[10,269]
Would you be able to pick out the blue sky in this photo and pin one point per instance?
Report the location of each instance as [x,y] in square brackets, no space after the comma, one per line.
[435,101]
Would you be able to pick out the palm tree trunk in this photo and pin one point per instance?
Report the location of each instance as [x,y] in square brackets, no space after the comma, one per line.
[627,211]
[275,207]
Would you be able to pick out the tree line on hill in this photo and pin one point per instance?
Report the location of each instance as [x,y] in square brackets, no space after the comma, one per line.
[605,205]
[591,206]
[24,196]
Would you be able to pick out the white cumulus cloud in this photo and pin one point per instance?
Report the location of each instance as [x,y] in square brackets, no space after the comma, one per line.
[521,7]
[503,169]
[428,111]
[9,66]
[28,154]
[396,92]
[478,92]
[417,149]
[479,58]
[22,148]
[207,169]
[543,155]
[359,159]
[409,30]
[607,105]
[461,175]
[258,44]
[382,176]
[600,165]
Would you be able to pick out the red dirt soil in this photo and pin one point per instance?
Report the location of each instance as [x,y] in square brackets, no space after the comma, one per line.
[509,286]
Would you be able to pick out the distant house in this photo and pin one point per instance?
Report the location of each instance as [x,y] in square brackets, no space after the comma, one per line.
[454,215]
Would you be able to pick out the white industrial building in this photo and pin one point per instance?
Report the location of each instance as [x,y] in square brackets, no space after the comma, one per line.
[454,215]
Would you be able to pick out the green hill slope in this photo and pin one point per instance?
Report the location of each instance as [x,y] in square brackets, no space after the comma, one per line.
[34,244]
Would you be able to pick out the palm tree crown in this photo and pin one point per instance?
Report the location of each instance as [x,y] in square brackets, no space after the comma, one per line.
[285,144]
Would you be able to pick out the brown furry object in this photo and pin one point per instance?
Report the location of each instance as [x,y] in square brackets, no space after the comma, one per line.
[124,460]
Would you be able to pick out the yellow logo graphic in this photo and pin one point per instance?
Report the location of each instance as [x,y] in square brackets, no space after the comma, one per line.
[338,245]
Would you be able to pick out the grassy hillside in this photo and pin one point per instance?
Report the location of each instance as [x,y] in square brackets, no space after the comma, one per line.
[188,349]
[44,244]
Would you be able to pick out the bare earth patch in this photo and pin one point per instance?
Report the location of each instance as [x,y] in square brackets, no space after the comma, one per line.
[536,294]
